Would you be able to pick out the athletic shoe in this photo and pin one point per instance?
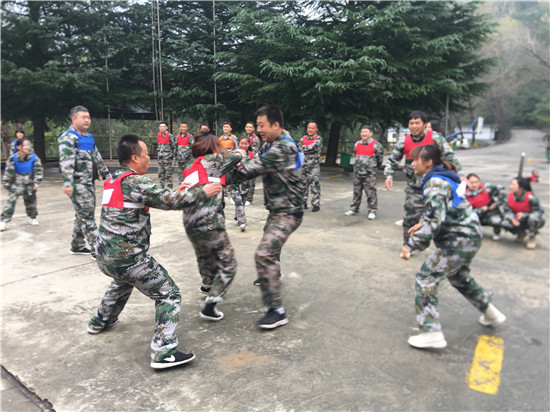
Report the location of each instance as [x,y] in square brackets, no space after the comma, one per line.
[273,319]
[371,216]
[247,203]
[520,236]
[257,282]
[175,359]
[205,290]
[243,227]
[427,340]
[93,256]
[315,209]
[350,213]
[2,226]
[210,312]
[34,222]
[236,222]
[496,237]
[531,242]
[492,316]
[94,327]
[232,201]
[81,251]
[398,222]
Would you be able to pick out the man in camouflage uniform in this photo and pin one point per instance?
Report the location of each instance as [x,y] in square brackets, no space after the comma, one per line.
[166,155]
[80,163]
[228,140]
[184,142]
[255,145]
[369,156]
[414,204]
[22,177]
[283,196]
[123,242]
[311,145]
[452,224]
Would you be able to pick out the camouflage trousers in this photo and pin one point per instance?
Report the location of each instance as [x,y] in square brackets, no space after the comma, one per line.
[151,279]
[84,228]
[216,260]
[184,160]
[530,223]
[239,196]
[368,185]
[491,218]
[453,263]
[312,179]
[278,227]
[29,198]
[413,209]
[165,172]
[250,196]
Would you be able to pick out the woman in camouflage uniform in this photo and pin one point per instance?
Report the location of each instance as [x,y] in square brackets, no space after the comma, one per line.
[240,191]
[22,176]
[454,227]
[205,222]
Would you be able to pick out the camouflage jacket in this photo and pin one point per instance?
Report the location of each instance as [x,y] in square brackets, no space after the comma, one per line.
[124,233]
[208,214]
[77,166]
[184,152]
[414,181]
[442,222]
[312,152]
[167,151]
[283,185]
[534,203]
[12,180]
[496,192]
[365,166]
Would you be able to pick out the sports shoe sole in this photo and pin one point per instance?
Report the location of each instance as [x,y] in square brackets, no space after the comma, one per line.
[166,365]
[494,322]
[96,331]
[210,318]
[435,344]
[274,325]
[80,253]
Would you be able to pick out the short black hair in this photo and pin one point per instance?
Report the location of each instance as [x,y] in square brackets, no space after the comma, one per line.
[183,122]
[418,115]
[524,183]
[273,114]
[163,122]
[77,109]
[368,126]
[19,131]
[20,141]
[252,123]
[312,121]
[229,123]
[127,146]
[472,175]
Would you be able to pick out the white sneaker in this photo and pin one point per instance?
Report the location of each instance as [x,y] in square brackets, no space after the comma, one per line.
[424,340]
[399,222]
[350,213]
[247,203]
[232,201]
[2,226]
[496,237]
[371,216]
[34,222]
[243,227]
[492,316]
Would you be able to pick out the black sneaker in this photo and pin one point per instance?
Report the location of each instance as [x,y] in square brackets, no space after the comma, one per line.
[204,290]
[273,319]
[315,209]
[94,327]
[210,312]
[257,282]
[81,251]
[174,359]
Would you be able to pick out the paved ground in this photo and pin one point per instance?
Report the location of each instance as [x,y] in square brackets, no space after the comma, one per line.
[349,299]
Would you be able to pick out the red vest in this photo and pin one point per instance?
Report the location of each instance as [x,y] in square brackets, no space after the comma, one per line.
[483,199]
[163,139]
[227,143]
[113,197]
[365,149]
[253,137]
[307,142]
[184,141]
[410,145]
[197,175]
[521,206]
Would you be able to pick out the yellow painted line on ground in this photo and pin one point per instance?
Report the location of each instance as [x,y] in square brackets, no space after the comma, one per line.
[484,375]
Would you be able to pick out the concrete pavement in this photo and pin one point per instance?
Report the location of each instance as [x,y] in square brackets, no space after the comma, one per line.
[348,296]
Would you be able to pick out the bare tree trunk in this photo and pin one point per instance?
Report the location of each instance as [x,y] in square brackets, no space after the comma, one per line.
[333,143]
[39,140]
[6,140]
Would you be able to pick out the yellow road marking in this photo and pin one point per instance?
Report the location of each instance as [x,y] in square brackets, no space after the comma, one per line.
[484,375]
